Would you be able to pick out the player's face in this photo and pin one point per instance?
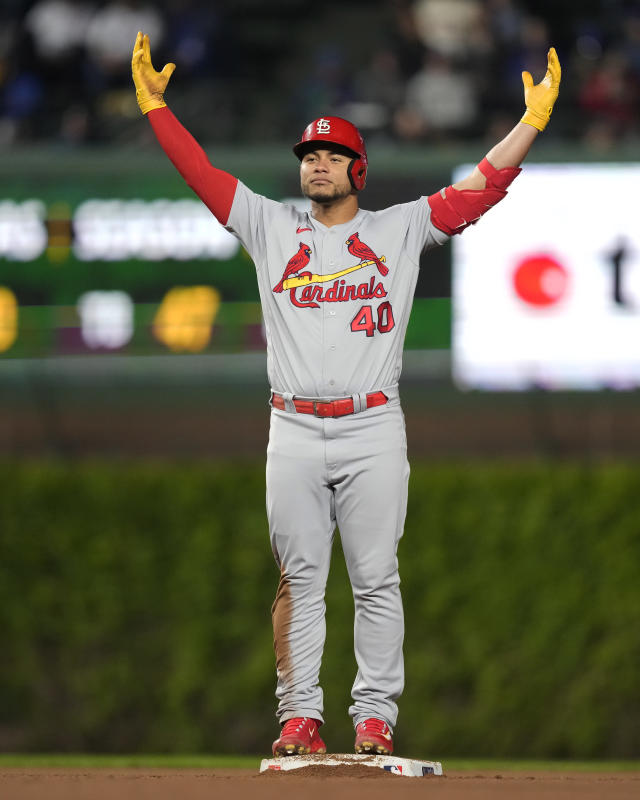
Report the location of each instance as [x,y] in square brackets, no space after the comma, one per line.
[323,176]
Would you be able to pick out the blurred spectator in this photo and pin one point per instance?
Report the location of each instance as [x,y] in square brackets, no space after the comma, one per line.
[378,89]
[504,19]
[109,39]
[328,86]
[529,53]
[610,98]
[21,100]
[58,28]
[630,45]
[412,69]
[499,85]
[21,87]
[404,38]
[454,28]
[195,37]
[440,101]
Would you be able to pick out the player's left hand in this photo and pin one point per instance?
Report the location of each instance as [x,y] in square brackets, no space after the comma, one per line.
[541,97]
[150,85]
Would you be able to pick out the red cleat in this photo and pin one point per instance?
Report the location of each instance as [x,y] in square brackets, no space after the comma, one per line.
[373,736]
[299,737]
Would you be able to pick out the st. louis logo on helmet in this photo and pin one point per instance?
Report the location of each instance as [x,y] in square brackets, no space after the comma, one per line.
[323,126]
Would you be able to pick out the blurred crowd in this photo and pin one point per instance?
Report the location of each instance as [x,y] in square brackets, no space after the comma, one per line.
[254,71]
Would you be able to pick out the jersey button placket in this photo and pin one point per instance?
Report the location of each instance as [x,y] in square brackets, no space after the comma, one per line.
[330,332]
[330,315]
[331,365]
[321,246]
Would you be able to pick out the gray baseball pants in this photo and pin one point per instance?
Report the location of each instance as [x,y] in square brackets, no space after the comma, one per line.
[351,472]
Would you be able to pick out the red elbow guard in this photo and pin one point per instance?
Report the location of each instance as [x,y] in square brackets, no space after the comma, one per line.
[498,178]
[460,208]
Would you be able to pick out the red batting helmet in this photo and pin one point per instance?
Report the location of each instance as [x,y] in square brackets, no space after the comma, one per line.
[335,130]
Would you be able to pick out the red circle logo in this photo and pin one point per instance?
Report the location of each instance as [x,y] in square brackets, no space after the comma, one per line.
[540,280]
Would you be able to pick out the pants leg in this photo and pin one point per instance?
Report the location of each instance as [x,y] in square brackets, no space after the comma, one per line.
[371,482]
[301,518]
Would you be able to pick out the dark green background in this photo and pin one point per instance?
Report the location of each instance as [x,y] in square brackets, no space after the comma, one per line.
[135,599]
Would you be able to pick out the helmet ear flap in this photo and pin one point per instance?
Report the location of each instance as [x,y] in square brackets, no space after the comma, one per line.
[357,172]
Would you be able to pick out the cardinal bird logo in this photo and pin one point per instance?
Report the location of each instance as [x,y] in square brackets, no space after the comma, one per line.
[364,253]
[295,264]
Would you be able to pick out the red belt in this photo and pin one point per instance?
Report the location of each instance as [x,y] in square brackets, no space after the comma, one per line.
[333,408]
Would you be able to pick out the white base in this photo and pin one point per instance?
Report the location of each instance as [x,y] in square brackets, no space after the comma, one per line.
[400,766]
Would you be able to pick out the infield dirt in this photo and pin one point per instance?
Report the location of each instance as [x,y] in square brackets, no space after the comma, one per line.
[311,783]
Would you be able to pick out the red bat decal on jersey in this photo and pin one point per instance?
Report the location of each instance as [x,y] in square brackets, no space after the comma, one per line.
[295,264]
[364,252]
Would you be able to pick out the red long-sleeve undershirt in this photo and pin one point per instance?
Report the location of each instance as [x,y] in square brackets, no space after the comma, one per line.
[213,186]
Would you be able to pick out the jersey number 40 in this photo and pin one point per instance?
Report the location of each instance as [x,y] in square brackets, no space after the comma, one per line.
[364,321]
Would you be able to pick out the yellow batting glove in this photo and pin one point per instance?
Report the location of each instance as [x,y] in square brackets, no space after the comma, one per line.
[540,98]
[150,85]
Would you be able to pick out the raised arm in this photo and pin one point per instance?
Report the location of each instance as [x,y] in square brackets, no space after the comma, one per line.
[213,186]
[460,205]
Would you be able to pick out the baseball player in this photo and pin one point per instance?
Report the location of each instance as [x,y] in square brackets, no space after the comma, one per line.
[336,286]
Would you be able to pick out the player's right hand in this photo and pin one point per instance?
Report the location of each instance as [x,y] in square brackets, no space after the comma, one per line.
[150,85]
[540,98]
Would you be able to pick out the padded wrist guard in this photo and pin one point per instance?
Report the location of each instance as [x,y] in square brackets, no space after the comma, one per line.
[453,210]
[147,102]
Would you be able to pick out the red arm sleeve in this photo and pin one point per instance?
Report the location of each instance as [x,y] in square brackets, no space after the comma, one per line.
[213,186]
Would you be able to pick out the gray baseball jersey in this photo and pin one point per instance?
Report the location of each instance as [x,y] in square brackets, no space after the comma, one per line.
[336,303]
[335,323]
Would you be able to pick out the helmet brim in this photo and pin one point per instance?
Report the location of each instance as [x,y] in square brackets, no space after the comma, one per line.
[302,148]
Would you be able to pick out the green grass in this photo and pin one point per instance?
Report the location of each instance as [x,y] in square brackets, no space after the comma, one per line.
[253,762]
[120,761]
